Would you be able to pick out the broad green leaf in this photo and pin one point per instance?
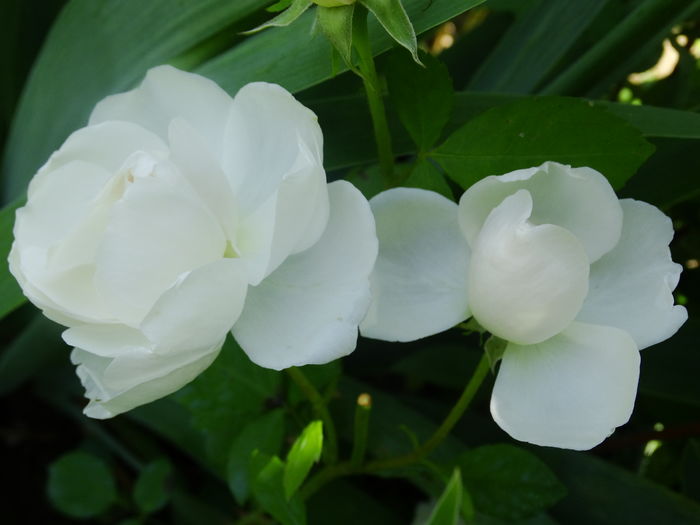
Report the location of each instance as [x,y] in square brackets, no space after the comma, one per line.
[294,11]
[226,396]
[268,490]
[81,485]
[10,293]
[336,24]
[305,451]
[447,509]
[263,434]
[151,491]
[529,132]
[96,49]
[427,176]
[601,493]
[508,482]
[534,45]
[393,17]
[422,96]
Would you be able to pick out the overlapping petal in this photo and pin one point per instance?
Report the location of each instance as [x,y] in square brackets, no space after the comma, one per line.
[419,283]
[308,310]
[632,286]
[570,391]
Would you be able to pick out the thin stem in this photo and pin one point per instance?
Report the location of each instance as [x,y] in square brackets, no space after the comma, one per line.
[349,468]
[359,444]
[374,96]
[330,449]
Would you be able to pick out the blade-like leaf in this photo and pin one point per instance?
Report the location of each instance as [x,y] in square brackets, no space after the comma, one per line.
[336,24]
[286,17]
[269,492]
[305,451]
[394,19]
[446,510]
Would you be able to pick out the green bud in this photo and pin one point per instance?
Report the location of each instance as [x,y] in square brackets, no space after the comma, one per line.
[333,3]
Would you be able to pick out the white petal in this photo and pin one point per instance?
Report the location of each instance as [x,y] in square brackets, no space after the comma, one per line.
[105,340]
[419,284]
[570,391]
[157,231]
[631,286]
[308,310]
[526,282]
[578,199]
[165,94]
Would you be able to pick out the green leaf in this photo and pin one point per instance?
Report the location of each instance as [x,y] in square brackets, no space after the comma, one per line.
[81,485]
[281,5]
[322,377]
[151,491]
[295,10]
[10,293]
[269,491]
[336,24]
[529,132]
[422,97]
[427,176]
[508,482]
[264,434]
[447,508]
[305,451]
[393,17]
[690,469]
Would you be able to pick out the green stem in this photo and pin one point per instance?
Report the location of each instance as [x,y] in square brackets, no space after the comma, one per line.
[349,468]
[373,90]
[330,449]
[359,444]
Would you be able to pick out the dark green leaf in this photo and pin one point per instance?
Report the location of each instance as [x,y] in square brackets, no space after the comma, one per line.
[343,503]
[151,491]
[427,176]
[447,508]
[508,482]
[529,132]
[265,435]
[269,491]
[294,11]
[393,17]
[422,97]
[690,473]
[336,24]
[10,294]
[305,451]
[81,485]
[322,377]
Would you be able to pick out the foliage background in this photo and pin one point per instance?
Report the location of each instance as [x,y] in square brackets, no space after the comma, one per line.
[179,460]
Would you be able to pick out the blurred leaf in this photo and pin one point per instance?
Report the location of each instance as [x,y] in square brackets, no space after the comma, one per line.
[422,97]
[264,434]
[305,451]
[447,508]
[295,10]
[10,293]
[534,44]
[603,494]
[343,503]
[151,491]
[336,24]
[393,17]
[690,470]
[427,176]
[96,49]
[37,347]
[269,491]
[226,396]
[321,376]
[529,132]
[81,485]
[509,482]
[446,364]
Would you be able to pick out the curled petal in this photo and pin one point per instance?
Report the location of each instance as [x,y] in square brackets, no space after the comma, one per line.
[526,282]
[419,284]
[570,391]
[632,286]
[578,199]
[308,310]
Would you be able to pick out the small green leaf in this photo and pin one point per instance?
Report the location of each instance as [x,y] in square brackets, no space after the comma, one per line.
[278,6]
[295,10]
[151,491]
[394,19]
[508,482]
[269,492]
[428,177]
[305,451]
[81,485]
[264,434]
[495,347]
[532,131]
[423,96]
[447,508]
[336,24]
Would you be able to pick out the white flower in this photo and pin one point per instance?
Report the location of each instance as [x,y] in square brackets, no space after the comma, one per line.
[548,259]
[179,214]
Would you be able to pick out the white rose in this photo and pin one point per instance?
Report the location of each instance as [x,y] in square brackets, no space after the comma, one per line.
[548,259]
[179,214]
